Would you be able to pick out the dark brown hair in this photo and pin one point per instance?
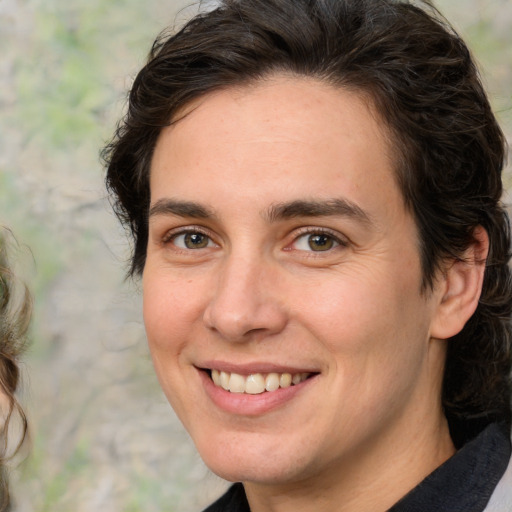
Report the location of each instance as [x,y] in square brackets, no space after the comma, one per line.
[449,149]
[14,320]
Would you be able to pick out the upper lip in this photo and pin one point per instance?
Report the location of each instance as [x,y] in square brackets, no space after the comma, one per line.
[254,367]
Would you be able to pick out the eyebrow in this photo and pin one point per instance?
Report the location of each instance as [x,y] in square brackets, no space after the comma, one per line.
[279,211]
[314,208]
[180,209]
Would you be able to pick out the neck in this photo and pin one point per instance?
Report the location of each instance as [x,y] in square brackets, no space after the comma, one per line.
[371,480]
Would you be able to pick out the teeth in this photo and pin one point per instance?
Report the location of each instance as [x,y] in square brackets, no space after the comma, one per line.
[236,383]
[224,380]
[272,382]
[285,381]
[256,383]
[299,377]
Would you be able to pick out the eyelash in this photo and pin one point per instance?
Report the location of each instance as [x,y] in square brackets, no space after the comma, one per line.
[309,231]
[171,236]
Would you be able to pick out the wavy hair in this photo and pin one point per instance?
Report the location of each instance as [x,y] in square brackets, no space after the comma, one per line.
[15,310]
[449,150]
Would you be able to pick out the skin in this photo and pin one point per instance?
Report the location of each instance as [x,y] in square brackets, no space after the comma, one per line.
[252,173]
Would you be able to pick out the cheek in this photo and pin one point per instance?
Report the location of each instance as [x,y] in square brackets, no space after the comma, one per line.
[374,332]
[350,313]
[170,315]
[170,309]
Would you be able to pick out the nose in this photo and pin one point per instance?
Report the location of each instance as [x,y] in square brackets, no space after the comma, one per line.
[245,304]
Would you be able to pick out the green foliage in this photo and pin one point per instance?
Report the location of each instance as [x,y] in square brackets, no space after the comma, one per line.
[64,85]
[61,98]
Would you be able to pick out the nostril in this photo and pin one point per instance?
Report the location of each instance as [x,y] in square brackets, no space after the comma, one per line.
[245,323]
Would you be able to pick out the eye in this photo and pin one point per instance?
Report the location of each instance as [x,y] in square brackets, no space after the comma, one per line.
[192,240]
[317,242]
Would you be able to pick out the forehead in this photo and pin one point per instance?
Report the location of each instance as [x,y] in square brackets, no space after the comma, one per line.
[283,136]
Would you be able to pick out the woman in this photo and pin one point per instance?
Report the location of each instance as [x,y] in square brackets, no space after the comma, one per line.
[15,311]
[314,193]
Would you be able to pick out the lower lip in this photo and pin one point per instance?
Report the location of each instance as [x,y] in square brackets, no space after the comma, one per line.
[251,405]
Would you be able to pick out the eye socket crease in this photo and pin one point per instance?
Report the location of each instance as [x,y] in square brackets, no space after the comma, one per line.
[306,240]
[297,209]
[191,237]
[316,240]
[191,240]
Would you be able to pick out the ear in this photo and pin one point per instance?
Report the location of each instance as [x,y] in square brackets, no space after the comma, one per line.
[460,287]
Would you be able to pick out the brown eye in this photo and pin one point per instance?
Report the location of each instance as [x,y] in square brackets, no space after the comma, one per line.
[316,242]
[192,240]
[320,242]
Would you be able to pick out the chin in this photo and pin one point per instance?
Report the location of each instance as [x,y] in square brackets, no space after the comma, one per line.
[254,463]
[253,472]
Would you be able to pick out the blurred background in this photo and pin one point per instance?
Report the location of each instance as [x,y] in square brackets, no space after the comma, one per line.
[102,435]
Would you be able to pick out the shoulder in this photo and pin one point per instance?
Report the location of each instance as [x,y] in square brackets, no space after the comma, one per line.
[501,499]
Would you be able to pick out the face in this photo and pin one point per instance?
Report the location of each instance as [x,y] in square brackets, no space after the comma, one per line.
[282,296]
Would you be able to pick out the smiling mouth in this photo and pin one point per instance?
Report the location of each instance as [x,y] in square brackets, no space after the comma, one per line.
[256,383]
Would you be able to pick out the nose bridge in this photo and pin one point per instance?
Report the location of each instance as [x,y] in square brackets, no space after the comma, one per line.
[243,301]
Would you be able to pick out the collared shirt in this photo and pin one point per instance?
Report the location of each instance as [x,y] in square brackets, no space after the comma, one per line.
[464,483]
